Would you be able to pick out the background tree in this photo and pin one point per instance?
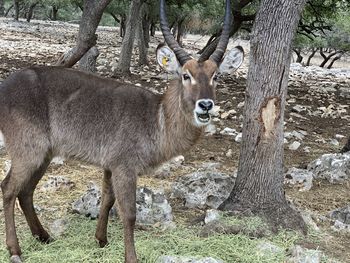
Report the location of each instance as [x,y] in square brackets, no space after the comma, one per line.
[123,66]
[2,7]
[92,13]
[259,184]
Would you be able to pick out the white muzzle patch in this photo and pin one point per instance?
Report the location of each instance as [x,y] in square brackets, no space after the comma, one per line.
[202,115]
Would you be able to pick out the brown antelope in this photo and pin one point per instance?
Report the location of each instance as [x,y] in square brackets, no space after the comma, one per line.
[52,111]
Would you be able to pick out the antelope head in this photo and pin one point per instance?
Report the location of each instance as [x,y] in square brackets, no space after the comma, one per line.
[198,77]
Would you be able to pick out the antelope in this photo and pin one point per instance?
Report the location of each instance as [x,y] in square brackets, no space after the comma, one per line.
[124,129]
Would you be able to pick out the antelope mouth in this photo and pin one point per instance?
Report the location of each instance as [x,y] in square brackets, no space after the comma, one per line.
[202,118]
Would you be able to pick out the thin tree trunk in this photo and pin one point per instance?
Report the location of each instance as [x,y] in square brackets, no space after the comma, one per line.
[313,52]
[299,56]
[259,184]
[346,147]
[180,30]
[2,8]
[128,40]
[16,5]
[334,60]
[92,13]
[54,13]
[8,10]
[327,58]
[153,29]
[122,26]
[141,38]
[30,11]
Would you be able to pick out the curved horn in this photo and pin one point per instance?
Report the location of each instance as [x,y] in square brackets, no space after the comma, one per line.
[181,55]
[224,38]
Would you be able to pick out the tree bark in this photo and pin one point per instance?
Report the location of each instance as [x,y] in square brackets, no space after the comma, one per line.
[327,58]
[346,147]
[8,10]
[88,61]
[299,56]
[16,5]
[122,27]
[259,184]
[142,44]
[2,8]
[92,13]
[54,13]
[238,19]
[334,60]
[30,11]
[313,52]
[123,66]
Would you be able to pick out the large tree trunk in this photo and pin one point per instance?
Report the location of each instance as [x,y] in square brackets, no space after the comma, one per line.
[128,40]
[92,13]
[259,184]
[2,8]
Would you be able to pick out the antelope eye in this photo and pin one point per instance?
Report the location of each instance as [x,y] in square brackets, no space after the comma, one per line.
[186,77]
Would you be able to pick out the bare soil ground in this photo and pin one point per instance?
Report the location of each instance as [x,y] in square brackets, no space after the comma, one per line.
[23,45]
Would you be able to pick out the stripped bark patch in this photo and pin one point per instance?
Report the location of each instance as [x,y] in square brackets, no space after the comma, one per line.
[269,115]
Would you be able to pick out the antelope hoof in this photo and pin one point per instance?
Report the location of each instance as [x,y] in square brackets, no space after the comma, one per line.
[46,239]
[102,243]
[15,259]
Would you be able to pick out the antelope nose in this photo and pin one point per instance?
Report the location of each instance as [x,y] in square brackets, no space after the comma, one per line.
[206,105]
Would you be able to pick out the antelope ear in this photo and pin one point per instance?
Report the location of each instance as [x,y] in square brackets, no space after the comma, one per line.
[166,59]
[232,60]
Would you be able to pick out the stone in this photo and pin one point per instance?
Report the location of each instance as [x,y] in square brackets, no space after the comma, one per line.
[179,259]
[303,255]
[89,203]
[341,227]
[267,247]
[294,146]
[55,183]
[334,142]
[58,227]
[228,131]
[301,178]
[238,137]
[167,168]
[2,141]
[229,153]
[341,214]
[332,167]
[203,189]
[152,207]
[7,166]
[211,216]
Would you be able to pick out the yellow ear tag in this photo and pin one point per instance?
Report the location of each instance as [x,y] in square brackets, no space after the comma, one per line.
[165,61]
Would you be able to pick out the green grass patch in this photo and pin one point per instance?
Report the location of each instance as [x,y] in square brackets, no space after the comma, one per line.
[78,245]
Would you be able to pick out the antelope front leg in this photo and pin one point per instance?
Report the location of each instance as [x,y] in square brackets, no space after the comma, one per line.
[124,186]
[108,200]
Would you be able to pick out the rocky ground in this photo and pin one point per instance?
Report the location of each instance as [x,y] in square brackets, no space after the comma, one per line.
[316,123]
